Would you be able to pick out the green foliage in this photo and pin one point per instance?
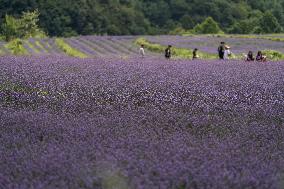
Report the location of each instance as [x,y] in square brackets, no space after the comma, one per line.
[24,27]
[16,47]
[273,55]
[29,25]
[187,22]
[131,17]
[178,31]
[262,23]
[269,24]
[208,26]
[245,27]
[150,46]
[68,49]
[10,28]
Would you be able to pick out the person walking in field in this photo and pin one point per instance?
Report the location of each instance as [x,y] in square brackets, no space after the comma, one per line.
[194,54]
[168,52]
[221,50]
[142,51]
[227,52]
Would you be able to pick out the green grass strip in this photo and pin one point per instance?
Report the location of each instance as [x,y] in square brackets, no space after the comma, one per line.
[68,49]
[273,55]
[32,47]
[40,46]
[16,47]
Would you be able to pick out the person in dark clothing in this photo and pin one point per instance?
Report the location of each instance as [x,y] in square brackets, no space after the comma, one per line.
[168,52]
[194,54]
[221,50]
[250,56]
[260,57]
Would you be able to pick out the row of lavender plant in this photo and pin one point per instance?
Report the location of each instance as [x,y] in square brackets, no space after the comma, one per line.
[90,45]
[104,46]
[140,123]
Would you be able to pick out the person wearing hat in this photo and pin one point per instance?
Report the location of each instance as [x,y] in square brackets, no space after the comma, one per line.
[168,52]
[227,52]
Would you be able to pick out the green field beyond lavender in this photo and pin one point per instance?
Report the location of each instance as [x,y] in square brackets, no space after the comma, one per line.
[114,120]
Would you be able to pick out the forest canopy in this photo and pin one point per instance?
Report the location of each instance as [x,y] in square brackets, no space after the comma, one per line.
[136,17]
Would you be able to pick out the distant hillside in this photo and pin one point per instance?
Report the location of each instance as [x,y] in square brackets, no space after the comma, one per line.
[132,17]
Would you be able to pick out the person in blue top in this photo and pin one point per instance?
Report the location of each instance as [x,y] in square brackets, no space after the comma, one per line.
[260,57]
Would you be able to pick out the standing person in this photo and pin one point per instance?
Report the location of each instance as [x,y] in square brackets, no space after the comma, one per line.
[142,51]
[260,57]
[250,56]
[194,54]
[168,52]
[227,53]
[221,50]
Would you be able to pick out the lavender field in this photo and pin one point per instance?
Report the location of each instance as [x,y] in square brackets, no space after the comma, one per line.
[91,46]
[125,46]
[140,123]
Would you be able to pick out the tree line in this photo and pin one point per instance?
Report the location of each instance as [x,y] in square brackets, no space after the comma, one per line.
[136,17]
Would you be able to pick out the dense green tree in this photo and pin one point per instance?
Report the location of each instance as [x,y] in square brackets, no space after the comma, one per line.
[187,22]
[269,24]
[117,17]
[208,26]
[24,27]
[10,28]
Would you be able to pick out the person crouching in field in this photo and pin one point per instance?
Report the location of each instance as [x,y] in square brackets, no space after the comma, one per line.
[194,54]
[142,51]
[168,52]
[227,53]
[260,57]
[221,50]
[250,57]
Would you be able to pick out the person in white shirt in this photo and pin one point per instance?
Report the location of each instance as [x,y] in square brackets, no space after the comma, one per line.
[227,53]
[142,51]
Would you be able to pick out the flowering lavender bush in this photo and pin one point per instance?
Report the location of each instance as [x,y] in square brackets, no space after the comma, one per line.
[140,123]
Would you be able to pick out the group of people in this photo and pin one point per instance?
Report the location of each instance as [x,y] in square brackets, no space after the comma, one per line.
[224,53]
[259,57]
[168,52]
